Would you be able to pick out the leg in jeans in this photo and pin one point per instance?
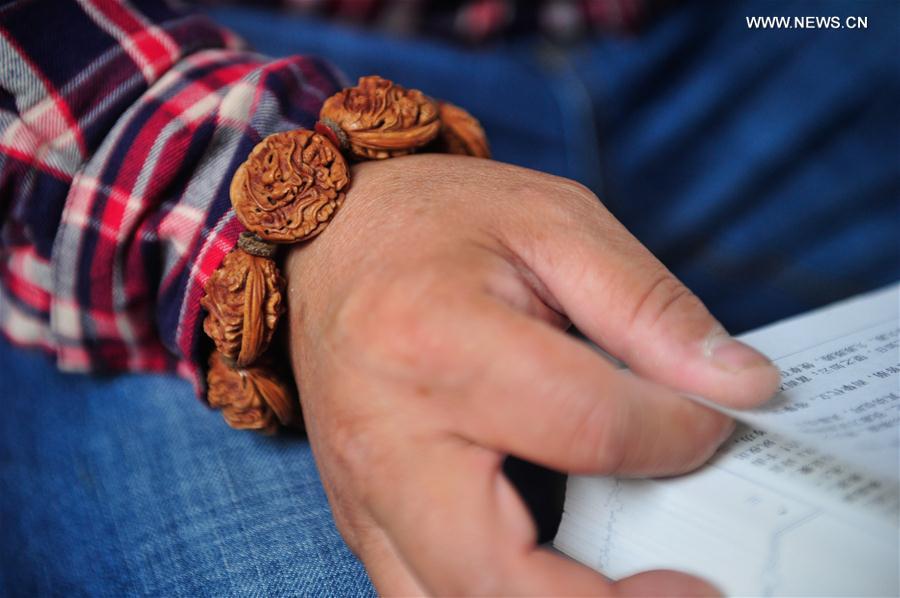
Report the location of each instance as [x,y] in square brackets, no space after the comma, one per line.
[130,486]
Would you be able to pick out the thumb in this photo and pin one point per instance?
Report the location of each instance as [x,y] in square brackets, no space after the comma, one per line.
[616,292]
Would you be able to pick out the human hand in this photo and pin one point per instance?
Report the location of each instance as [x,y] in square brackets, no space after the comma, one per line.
[427,341]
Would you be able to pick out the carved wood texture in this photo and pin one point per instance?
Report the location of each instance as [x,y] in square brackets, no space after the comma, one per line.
[381,119]
[253,398]
[244,298]
[290,186]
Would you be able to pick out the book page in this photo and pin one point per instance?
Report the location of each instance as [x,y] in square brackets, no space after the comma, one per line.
[747,528]
[840,393]
[766,517]
[816,478]
[780,511]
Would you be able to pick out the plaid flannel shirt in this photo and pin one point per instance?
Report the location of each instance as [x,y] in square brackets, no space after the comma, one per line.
[120,127]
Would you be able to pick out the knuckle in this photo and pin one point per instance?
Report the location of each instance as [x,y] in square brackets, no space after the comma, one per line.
[599,437]
[663,298]
[546,183]
[580,193]
[575,204]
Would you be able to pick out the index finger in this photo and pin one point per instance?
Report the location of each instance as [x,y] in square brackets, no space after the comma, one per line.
[554,401]
[625,299]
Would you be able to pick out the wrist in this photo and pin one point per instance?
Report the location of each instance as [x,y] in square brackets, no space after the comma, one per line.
[288,191]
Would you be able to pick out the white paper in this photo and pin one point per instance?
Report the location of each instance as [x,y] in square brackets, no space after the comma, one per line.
[840,371]
[748,535]
[809,507]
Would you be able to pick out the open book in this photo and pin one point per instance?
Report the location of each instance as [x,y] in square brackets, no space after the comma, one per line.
[802,500]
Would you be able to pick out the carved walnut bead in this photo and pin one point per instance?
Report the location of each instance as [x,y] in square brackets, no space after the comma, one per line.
[382,120]
[461,133]
[253,398]
[290,186]
[244,298]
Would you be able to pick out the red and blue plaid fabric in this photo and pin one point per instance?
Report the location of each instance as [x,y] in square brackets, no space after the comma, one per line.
[120,127]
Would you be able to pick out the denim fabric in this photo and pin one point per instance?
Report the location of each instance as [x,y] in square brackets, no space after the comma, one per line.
[130,486]
[761,166]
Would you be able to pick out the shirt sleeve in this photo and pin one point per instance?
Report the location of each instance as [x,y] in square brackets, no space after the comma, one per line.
[120,128]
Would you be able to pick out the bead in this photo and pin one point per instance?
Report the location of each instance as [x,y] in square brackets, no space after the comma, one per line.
[253,398]
[244,298]
[290,186]
[382,120]
[461,133]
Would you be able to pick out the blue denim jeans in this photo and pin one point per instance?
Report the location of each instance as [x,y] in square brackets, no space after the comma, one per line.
[130,486]
[761,166]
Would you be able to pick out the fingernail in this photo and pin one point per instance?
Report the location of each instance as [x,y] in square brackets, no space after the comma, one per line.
[732,355]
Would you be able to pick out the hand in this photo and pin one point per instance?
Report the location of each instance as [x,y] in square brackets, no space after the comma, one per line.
[427,341]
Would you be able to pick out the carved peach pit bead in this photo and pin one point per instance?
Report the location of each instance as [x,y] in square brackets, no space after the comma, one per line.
[461,133]
[244,298]
[290,186]
[253,398]
[381,119]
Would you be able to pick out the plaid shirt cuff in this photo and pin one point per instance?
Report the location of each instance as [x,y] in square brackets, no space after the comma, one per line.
[120,130]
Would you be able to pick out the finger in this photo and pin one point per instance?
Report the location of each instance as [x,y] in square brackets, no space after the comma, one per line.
[622,297]
[554,401]
[665,583]
[671,584]
[464,531]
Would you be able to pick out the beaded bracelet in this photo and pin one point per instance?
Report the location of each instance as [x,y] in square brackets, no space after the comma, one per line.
[287,191]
